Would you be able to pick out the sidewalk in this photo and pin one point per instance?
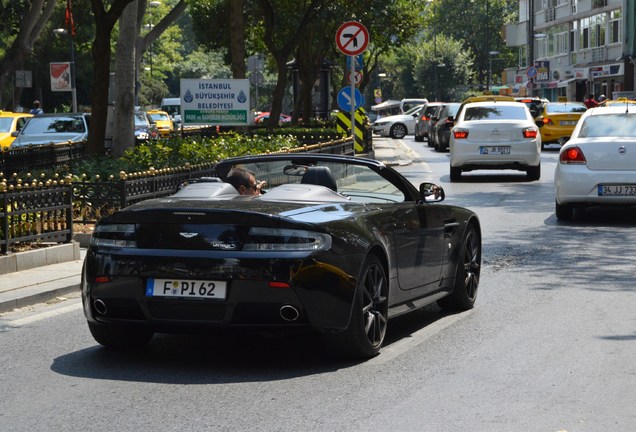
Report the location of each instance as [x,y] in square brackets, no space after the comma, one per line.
[34,283]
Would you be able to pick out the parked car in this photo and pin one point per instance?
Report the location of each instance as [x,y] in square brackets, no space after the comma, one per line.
[264,116]
[53,128]
[424,120]
[10,122]
[319,250]
[397,126]
[441,129]
[144,129]
[597,166]
[495,135]
[557,121]
[162,120]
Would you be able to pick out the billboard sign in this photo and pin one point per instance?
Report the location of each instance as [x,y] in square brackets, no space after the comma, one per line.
[61,76]
[218,102]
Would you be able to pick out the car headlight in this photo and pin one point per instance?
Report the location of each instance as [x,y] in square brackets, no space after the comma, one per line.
[285,239]
[115,235]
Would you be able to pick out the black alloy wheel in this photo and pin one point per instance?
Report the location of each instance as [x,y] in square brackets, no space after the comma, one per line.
[398,131]
[367,327]
[467,274]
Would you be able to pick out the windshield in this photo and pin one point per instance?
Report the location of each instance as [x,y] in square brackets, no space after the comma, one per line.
[566,107]
[5,124]
[609,125]
[413,110]
[46,125]
[358,183]
[141,119]
[496,112]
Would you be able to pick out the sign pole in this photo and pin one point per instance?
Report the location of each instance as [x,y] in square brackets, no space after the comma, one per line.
[353,105]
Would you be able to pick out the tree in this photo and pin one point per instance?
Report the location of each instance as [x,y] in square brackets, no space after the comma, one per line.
[130,49]
[104,22]
[36,15]
[442,66]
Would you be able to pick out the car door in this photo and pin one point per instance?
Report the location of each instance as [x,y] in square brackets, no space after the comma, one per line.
[418,235]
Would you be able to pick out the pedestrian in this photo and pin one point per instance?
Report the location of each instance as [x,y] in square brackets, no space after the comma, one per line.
[590,102]
[36,108]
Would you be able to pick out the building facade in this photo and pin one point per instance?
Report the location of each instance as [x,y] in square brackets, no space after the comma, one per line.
[572,48]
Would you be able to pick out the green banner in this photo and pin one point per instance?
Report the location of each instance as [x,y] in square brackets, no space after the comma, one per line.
[213,117]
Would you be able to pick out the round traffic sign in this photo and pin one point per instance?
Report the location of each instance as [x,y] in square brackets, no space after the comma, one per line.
[352,38]
[532,71]
[355,77]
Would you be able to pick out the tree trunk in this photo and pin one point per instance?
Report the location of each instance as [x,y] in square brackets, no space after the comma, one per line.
[104,23]
[124,91]
[237,39]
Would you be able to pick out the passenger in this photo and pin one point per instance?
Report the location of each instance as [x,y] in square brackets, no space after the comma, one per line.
[244,181]
[590,102]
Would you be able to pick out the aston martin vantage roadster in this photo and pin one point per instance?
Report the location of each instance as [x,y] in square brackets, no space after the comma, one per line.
[334,244]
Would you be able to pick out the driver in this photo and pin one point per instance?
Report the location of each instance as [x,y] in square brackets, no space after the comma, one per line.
[245,181]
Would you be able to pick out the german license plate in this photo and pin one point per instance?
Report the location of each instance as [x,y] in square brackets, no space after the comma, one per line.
[568,122]
[496,150]
[616,190]
[186,288]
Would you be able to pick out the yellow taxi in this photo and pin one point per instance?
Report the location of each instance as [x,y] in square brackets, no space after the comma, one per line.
[10,122]
[162,120]
[614,102]
[557,121]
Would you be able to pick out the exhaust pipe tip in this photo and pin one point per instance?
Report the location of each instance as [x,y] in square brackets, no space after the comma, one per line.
[289,313]
[100,306]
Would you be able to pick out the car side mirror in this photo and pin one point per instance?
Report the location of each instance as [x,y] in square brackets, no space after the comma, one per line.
[430,192]
[539,122]
[15,133]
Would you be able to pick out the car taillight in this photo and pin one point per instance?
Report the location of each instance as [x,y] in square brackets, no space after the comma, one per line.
[114,235]
[530,133]
[547,120]
[460,133]
[572,155]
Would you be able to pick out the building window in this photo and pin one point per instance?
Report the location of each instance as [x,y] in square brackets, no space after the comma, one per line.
[598,30]
[573,3]
[584,41]
[560,36]
[615,34]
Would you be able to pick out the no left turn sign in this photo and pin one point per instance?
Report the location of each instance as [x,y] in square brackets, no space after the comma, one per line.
[352,38]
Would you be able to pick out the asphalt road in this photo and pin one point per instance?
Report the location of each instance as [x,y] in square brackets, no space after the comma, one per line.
[548,347]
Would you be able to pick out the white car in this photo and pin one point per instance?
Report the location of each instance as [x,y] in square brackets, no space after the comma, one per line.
[397,126]
[495,135]
[597,166]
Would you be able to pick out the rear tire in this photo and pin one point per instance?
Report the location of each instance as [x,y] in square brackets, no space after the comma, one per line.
[419,138]
[120,336]
[367,327]
[564,211]
[466,275]
[455,173]
[534,173]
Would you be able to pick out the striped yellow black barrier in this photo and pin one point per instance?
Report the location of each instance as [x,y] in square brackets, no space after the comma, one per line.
[343,125]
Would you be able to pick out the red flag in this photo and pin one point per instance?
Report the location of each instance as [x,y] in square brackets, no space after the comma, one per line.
[70,25]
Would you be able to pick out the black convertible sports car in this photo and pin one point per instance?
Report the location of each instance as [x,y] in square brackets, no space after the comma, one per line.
[336,244]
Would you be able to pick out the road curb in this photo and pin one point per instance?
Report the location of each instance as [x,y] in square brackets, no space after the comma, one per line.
[36,294]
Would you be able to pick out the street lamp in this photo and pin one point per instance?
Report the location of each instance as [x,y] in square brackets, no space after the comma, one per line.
[149,27]
[491,54]
[61,31]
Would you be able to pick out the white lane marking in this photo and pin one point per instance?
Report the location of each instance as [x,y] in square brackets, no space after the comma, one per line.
[405,344]
[45,315]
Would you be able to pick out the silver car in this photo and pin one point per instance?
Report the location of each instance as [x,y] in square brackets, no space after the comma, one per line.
[52,129]
[397,126]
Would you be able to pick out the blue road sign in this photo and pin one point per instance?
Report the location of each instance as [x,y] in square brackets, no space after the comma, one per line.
[345,100]
[358,62]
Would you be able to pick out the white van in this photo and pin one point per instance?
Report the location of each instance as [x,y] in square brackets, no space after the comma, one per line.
[173,107]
